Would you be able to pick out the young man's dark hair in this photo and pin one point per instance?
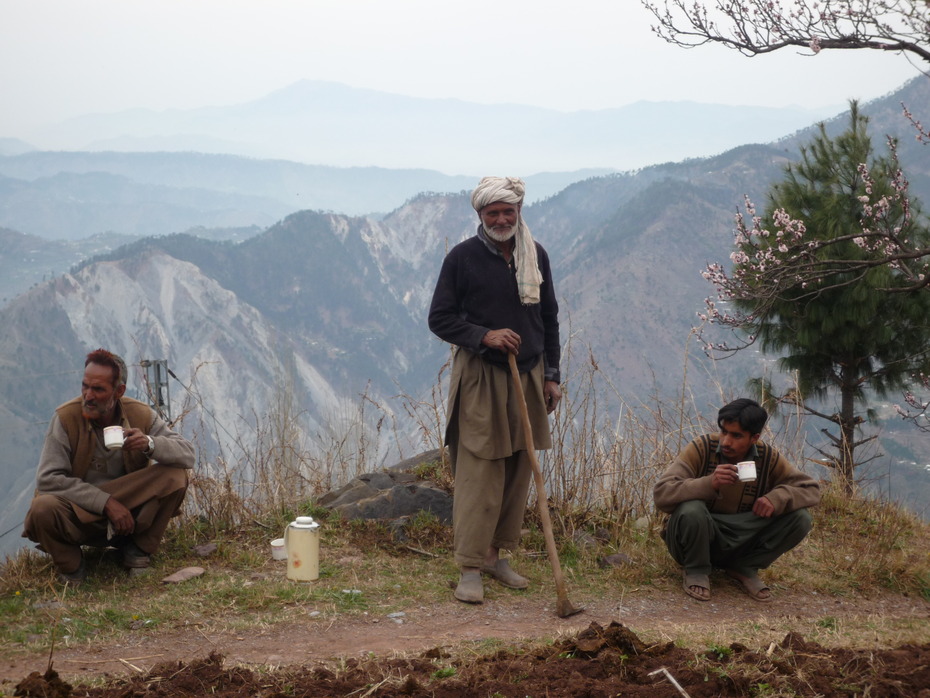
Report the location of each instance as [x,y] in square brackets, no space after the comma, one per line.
[748,413]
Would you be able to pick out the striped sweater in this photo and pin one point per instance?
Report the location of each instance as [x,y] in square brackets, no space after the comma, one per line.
[689,478]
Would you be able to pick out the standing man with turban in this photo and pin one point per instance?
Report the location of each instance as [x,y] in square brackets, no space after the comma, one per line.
[495,297]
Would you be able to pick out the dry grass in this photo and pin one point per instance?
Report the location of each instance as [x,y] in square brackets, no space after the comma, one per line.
[606,457]
[828,631]
[246,589]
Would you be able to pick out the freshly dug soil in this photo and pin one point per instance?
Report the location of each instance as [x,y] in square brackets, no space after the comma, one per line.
[599,661]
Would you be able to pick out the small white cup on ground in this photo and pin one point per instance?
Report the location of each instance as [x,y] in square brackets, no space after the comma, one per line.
[113,437]
[278,551]
[746,470]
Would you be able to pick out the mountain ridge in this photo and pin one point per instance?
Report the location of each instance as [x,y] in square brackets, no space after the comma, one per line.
[333,124]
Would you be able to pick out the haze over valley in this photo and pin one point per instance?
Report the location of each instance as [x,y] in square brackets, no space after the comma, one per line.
[273,270]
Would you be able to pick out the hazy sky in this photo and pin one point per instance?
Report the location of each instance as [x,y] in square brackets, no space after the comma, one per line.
[62,58]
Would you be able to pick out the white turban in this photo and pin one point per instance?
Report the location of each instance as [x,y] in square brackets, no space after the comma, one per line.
[511,190]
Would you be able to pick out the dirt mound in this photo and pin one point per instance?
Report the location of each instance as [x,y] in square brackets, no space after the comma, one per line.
[48,685]
[598,661]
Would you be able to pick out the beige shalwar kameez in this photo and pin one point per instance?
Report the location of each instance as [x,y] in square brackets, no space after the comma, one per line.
[488,451]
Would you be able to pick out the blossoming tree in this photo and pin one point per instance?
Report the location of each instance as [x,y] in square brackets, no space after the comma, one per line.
[821,279]
[754,27]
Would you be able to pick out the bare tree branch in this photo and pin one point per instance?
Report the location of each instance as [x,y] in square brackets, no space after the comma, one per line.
[755,27]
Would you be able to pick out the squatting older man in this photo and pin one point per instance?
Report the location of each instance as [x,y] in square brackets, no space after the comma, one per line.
[88,494]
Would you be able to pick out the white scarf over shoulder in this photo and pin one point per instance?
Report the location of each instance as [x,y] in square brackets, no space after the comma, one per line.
[511,190]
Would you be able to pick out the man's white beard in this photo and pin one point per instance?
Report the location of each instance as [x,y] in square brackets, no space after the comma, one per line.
[500,237]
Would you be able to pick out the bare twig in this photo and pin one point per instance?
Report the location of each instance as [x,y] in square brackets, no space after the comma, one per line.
[421,552]
[671,678]
[131,666]
[108,661]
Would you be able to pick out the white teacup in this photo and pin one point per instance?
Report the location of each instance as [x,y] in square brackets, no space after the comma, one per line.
[113,437]
[746,470]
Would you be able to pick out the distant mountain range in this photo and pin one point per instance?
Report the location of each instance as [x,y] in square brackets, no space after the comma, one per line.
[325,123]
[72,195]
[323,308]
[326,146]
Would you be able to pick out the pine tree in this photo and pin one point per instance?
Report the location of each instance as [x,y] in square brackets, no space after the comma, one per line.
[845,334]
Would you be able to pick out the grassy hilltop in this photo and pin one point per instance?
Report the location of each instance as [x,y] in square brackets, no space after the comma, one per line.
[860,582]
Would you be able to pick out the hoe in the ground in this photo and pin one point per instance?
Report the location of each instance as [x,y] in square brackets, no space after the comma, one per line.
[564,607]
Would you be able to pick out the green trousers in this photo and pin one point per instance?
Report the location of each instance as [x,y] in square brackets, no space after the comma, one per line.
[699,540]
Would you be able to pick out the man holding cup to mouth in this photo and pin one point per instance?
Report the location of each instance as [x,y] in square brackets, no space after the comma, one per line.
[112,472]
[735,503]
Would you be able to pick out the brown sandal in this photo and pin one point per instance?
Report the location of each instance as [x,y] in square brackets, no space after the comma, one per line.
[753,586]
[695,580]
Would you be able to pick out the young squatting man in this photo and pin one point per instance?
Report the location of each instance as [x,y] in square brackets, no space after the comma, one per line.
[717,520]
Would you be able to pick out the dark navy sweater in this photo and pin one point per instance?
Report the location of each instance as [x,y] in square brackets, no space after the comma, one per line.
[477,292]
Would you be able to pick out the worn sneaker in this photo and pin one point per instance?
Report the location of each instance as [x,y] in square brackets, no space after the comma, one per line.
[75,578]
[503,572]
[470,588]
[135,557]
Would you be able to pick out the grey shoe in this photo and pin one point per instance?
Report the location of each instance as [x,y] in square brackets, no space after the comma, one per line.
[75,578]
[135,557]
[503,572]
[470,588]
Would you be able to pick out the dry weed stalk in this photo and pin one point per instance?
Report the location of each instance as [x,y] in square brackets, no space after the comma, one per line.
[271,466]
[429,416]
[875,542]
[607,451]
[605,463]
